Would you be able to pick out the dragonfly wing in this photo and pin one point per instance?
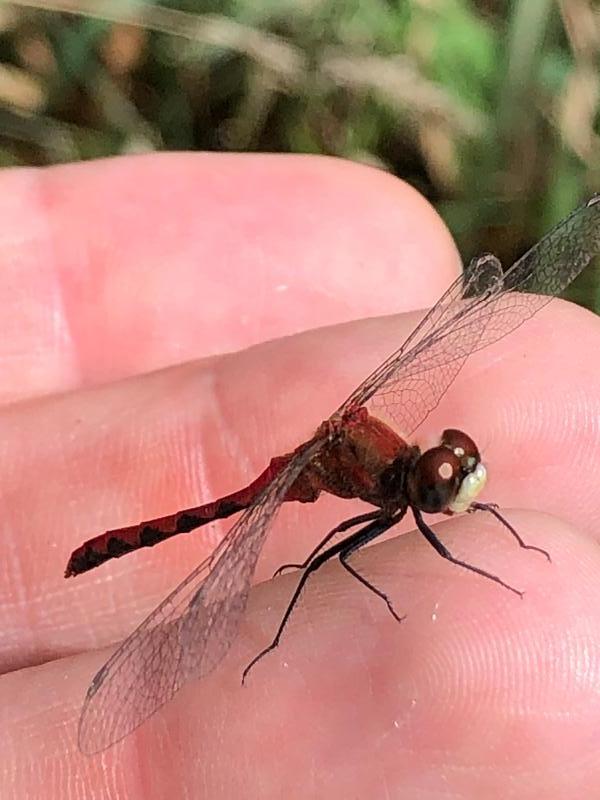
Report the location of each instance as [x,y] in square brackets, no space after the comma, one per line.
[543,272]
[411,382]
[190,631]
[478,309]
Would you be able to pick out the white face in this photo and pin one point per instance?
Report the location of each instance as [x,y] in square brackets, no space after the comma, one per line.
[469,488]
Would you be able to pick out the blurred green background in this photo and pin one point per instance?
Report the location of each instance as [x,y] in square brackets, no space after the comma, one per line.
[489,108]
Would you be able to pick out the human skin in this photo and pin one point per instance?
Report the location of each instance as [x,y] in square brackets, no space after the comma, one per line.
[115,273]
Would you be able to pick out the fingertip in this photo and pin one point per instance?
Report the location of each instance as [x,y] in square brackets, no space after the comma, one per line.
[136,263]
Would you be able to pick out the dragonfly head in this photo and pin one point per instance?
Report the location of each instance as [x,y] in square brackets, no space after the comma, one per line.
[447,478]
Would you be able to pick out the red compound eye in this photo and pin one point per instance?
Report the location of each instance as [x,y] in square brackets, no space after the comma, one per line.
[463,448]
[434,481]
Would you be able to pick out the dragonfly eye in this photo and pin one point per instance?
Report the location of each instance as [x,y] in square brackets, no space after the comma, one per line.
[463,447]
[473,473]
[435,480]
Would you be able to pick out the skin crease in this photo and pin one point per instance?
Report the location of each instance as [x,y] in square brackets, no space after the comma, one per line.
[477,693]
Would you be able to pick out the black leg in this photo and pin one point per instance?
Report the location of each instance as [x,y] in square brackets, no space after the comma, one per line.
[493,509]
[374,589]
[445,553]
[343,526]
[288,612]
[350,543]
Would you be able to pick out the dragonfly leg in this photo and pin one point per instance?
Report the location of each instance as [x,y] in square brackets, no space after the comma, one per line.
[343,526]
[298,591]
[445,553]
[492,508]
[357,539]
[369,585]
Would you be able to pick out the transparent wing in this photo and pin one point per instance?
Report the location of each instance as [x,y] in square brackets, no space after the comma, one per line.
[189,632]
[478,309]
[411,382]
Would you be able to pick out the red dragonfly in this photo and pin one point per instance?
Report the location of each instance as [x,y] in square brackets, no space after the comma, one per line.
[353,454]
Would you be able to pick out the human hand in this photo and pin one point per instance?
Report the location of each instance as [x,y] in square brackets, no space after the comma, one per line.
[131,265]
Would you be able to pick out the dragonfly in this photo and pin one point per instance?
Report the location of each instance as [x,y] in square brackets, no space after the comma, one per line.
[352,454]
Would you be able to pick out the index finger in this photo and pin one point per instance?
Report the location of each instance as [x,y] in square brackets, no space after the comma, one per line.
[114,268]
